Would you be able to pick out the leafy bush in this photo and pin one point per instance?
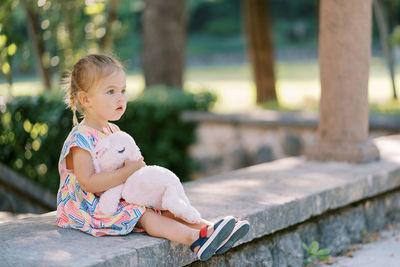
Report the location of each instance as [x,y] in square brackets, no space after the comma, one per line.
[33,130]
[153,120]
[32,133]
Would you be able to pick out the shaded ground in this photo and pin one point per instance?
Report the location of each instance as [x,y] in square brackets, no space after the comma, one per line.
[383,250]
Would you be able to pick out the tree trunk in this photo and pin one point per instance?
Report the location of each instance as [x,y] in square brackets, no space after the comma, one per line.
[383,28]
[66,47]
[106,43]
[260,47]
[37,42]
[344,58]
[164,26]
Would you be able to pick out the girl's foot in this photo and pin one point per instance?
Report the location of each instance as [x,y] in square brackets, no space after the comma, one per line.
[206,246]
[240,230]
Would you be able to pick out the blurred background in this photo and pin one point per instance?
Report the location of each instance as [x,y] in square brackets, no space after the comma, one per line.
[40,39]
[224,56]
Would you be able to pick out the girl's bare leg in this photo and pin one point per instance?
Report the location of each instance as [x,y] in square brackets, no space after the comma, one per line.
[161,226]
[158,225]
[203,222]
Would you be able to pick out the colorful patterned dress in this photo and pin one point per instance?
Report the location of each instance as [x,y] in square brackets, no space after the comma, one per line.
[78,209]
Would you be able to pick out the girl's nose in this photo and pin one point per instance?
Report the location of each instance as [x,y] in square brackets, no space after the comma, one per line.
[121,96]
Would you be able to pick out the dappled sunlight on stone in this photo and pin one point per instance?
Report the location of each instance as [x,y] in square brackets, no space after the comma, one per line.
[286,182]
[390,147]
[286,189]
[275,199]
[275,178]
[281,165]
[227,187]
[39,236]
[57,255]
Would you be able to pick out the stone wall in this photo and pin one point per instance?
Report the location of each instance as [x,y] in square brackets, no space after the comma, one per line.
[19,195]
[229,142]
[225,147]
[335,230]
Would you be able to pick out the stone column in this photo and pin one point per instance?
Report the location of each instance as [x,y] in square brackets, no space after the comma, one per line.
[344,54]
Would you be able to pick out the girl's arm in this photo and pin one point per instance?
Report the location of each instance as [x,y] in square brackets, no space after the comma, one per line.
[99,182]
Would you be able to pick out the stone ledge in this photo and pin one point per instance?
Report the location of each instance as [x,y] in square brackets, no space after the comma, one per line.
[257,118]
[15,182]
[284,118]
[272,196]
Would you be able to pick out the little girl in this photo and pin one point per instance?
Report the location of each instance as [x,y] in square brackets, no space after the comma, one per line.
[96,88]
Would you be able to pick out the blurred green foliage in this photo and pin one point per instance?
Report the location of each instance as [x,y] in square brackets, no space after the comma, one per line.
[71,29]
[215,18]
[8,46]
[7,51]
[33,130]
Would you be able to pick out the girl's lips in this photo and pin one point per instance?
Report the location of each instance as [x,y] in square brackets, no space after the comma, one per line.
[119,108]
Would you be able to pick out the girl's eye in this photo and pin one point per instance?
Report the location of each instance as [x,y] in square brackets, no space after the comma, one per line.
[110,92]
[123,91]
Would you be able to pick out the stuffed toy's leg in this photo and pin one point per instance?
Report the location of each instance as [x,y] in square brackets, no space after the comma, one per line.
[139,191]
[108,202]
[180,207]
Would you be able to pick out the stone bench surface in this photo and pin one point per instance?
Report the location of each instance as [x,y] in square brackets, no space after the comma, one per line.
[272,196]
[285,118]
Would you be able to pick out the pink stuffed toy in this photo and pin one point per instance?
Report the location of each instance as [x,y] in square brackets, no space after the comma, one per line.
[151,186]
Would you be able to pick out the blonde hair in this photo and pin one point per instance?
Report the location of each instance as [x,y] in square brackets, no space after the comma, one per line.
[86,74]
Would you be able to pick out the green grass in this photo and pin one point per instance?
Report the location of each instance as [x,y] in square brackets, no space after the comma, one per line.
[391,107]
[297,84]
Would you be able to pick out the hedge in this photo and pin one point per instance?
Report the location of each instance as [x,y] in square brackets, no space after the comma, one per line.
[34,128]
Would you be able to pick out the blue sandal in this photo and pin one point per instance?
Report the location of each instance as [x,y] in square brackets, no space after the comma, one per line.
[240,230]
[208,245]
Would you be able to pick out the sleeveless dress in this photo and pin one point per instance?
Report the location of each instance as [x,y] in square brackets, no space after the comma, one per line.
[77,209]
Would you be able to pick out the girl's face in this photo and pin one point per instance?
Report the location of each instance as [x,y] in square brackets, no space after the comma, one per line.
[107,101]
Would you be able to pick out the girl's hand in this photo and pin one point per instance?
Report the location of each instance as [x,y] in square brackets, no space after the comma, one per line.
[134,165]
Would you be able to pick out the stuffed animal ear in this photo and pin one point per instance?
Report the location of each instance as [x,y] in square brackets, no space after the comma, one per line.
[98,152]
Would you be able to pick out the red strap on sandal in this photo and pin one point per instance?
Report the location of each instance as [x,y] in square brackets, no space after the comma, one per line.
[203,231]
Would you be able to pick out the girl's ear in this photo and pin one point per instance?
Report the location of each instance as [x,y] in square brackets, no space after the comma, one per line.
[83,99]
